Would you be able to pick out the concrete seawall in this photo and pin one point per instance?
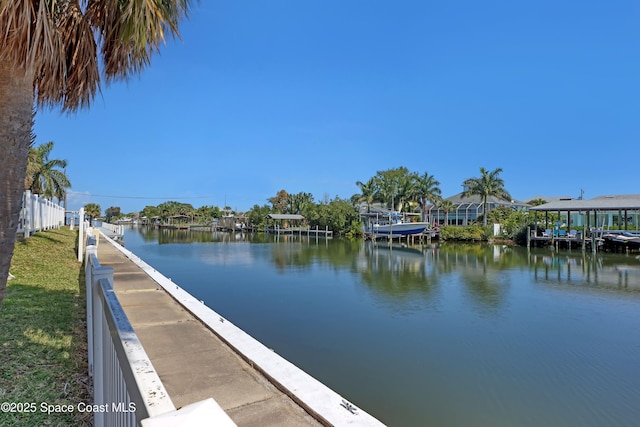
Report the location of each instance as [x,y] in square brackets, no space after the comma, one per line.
[198,354]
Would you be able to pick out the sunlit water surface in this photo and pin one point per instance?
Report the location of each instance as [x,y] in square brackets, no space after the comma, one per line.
[450,335]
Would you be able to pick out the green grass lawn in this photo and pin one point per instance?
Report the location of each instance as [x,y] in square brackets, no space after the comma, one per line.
[43,349]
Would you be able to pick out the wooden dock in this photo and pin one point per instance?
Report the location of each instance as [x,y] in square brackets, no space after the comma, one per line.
[610,241]
[427,236]
[301,231]
[173,227]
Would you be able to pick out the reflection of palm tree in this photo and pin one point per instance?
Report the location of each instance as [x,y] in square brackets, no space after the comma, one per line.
[487,185]
[396,272]
[483,288]
[479,267]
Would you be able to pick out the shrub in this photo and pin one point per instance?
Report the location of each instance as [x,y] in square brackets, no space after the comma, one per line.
[468,233]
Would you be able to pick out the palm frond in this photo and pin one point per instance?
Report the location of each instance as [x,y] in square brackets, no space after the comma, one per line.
[54,42]
[82,74]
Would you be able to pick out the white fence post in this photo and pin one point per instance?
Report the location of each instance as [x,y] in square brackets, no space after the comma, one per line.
[124,380]
[91,253]
[81,236]
[39,214]
[98,320]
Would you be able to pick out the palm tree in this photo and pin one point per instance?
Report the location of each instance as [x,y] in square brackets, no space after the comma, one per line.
[45,177]
[426,189]
[49,56]
[487,185]
[368,192]
[280,202]
[93,210]
[537,202]
[299,202]
[406,191]
[446,206]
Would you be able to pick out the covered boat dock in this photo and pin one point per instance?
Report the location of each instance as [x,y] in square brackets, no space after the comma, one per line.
[293,224]
[612,221]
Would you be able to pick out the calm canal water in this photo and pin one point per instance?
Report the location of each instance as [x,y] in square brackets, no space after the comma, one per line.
[449,335]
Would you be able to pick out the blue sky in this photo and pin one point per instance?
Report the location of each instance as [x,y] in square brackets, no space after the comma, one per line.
[315,95]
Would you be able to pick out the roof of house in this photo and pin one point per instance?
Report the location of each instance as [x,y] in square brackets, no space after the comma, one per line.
[476,199]
[285,216]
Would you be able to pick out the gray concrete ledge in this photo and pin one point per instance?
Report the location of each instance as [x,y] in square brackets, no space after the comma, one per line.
[320,401]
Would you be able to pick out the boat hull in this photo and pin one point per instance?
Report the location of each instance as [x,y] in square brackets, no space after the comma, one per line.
[404,229]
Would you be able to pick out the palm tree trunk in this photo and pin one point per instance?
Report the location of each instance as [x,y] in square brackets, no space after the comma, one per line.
[484,209]
[16,122]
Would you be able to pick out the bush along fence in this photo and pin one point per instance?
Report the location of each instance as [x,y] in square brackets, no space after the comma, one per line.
[38,214]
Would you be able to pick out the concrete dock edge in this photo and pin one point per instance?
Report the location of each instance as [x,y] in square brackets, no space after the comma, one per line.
[317,399]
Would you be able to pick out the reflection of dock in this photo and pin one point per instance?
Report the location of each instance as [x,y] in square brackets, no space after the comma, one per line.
[590,270]
[409,238]
[300,231]
[173,227]
[560,239]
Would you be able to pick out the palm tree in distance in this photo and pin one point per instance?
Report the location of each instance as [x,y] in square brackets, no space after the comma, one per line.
[299,202]
[537,202]
[427,189]
[45,177]
[368,192]
[487,185]
[49,56]
[406,191]
[446,206]
[93,210]
[387,186]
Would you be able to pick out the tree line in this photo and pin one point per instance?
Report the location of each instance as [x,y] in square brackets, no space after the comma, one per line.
[403,190]
[397,188]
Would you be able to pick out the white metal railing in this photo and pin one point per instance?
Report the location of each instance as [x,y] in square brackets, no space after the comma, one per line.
[112,229]
[127,390]
[38,214]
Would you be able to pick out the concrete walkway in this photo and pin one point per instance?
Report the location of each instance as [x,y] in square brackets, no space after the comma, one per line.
[192,362]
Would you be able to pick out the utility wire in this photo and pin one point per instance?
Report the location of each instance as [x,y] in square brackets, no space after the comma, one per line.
[139,197]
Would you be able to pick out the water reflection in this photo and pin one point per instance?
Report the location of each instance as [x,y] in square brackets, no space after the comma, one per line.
[399,270]
[170,236]
[587,269]
[396,270]
[414,333]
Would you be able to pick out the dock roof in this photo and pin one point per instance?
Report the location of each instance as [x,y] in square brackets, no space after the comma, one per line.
[286,216]
[603,203]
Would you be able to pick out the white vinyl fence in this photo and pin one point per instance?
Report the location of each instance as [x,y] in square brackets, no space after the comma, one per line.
[127,390]
[39,214]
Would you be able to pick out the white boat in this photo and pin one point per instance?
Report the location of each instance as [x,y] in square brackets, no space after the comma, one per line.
[395,227]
